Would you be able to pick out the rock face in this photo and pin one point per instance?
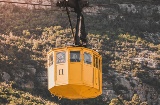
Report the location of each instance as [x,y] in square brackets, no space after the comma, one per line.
[128,16]
[28,85]
[42,78]
[5,76]
[31,69]
[129,87]
[119,77]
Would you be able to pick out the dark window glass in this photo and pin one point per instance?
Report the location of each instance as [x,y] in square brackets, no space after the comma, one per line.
[99,64]
[75,56]
[60,57]
[96,62]
[51,60]
[87,58]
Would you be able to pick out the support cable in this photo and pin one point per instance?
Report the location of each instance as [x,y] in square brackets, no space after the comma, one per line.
[70,21]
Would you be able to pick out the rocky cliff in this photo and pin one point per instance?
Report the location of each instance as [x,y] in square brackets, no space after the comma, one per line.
[126,34]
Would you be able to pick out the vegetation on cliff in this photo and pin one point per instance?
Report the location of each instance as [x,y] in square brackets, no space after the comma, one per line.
[12,96]
[26,36]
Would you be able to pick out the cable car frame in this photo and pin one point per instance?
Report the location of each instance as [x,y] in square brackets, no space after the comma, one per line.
[74,77]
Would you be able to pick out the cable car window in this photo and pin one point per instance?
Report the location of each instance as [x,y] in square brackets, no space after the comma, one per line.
[75,56]
[96,62]
[99,64]
[87,58]
[51,60]
[60,57]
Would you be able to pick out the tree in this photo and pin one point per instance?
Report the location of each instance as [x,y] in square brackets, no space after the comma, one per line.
[135,99]
[115,101]
[144,103]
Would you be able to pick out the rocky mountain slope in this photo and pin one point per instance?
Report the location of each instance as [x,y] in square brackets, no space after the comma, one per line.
[16,97]
[126,35]
[130,64]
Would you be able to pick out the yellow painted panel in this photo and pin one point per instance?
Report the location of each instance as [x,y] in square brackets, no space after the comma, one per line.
[61,74]
[88,74]
[100,80]
[96,78]
[75,73]
[101,75]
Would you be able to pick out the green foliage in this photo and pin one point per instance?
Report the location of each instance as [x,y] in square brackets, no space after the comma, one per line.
[135,100]
[127,37]
[115,101]
[26,33]
[29,35]
[9,95]
[144,103]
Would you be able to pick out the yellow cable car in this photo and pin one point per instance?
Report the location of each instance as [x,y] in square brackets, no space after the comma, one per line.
[75,72]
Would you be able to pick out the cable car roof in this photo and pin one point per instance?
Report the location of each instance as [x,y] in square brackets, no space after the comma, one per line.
[72,47]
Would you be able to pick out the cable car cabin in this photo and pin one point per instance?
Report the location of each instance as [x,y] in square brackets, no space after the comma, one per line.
[74,73]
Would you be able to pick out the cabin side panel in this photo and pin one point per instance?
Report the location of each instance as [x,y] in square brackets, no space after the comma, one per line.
[51,82]
[51,71]
[61,67]
[88,74]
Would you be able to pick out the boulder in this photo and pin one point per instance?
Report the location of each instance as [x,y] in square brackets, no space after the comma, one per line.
[5,76]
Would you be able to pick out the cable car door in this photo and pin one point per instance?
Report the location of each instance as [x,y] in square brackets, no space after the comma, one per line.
[88,68]
[61,68]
